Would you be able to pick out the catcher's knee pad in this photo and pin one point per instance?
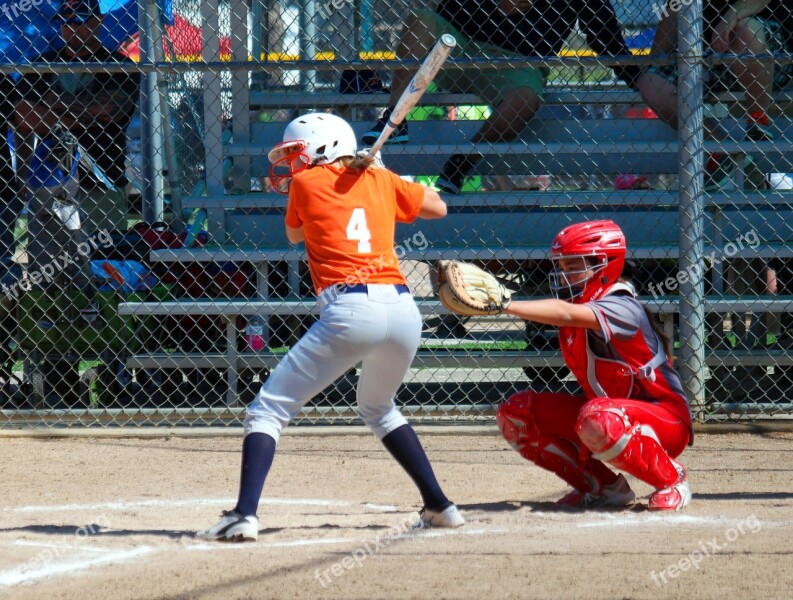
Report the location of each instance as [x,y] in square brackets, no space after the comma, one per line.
[604,428]
[601,424]
[515,420]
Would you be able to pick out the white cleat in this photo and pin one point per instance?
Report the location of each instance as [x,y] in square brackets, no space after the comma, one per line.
[448,518]
[233,527]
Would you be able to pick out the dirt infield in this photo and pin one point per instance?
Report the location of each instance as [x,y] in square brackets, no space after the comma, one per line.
[113,518]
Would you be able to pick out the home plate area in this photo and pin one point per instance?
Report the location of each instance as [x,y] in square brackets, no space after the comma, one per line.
[337,514]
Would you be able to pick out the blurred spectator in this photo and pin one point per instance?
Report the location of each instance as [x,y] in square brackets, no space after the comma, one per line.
[10,203]
[742,27]
[360,82]
[505,28]
[631,182]
[95,107]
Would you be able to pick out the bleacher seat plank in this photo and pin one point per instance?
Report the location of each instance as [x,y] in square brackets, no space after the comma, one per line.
[665,305]
[597,93]
[551,146]
[425,359]
[524,199]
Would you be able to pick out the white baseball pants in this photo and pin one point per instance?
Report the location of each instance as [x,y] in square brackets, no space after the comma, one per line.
[380,327]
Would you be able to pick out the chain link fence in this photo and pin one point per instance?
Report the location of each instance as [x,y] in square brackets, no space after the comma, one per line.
[146,278]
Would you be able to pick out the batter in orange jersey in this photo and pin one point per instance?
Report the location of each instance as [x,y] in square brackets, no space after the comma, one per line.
[349,217]
[346,216]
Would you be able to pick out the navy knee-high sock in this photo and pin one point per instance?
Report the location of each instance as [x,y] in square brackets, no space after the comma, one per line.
[404,446]
[258,450]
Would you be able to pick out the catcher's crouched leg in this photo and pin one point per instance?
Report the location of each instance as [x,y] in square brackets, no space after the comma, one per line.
[605,428]
[553,453]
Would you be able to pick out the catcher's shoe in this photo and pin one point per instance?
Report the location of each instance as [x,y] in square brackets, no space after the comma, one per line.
[232,527]
[448,518]
[675,497]
[616,495]
[400,135]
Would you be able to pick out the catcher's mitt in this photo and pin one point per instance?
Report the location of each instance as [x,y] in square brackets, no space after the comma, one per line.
[467,290]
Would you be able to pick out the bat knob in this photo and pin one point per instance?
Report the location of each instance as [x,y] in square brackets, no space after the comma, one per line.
[448,40]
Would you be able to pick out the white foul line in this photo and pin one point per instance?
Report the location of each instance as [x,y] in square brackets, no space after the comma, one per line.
[609,520]
[60,546]
[421,533]
[424,533]
[172,503]
[381,507]
[314,542]
[21,575]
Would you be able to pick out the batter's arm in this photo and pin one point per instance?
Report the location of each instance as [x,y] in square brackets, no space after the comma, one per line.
[295,235]
[432,207]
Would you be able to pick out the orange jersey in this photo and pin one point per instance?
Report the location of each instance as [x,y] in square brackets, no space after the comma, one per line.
[349,218]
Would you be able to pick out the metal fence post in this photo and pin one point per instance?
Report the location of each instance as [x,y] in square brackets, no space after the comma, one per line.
[150,115]
[691,116]
[213,125]
[308,45]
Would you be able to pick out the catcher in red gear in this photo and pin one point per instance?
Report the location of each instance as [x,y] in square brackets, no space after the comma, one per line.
[633,415]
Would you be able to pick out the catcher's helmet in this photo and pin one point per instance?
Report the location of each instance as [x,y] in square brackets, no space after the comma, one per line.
[313,139]
[601,247]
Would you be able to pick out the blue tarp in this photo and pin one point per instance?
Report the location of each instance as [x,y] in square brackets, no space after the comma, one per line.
[23,34]
[642,40]
[129,275]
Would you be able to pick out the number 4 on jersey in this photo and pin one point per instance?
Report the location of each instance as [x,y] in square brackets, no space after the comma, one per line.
[357,230]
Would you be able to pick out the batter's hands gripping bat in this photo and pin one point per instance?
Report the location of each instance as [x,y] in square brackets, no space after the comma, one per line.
[414,91]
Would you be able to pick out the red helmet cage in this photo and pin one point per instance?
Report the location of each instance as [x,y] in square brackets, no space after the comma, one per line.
[601,240]
[286,159]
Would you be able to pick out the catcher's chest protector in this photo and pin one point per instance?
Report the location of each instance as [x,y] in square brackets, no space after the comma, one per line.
[633,375]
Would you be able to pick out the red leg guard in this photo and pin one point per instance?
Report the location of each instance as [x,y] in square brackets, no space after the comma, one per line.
[553,453]
[604,428]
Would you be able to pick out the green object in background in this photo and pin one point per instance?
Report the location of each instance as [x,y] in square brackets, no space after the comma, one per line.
[472,184]
[56,322]
[427,113]
[152,333]
[473,112]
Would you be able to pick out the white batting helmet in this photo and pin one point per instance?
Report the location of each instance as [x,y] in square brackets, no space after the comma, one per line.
[313,139]
[320,137]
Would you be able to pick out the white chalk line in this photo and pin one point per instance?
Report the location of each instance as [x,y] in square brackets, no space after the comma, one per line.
[431,533]
[23,575]
[59,546]
[422,533]
[248,546]
[381,507]
[656,519]
[172,503]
